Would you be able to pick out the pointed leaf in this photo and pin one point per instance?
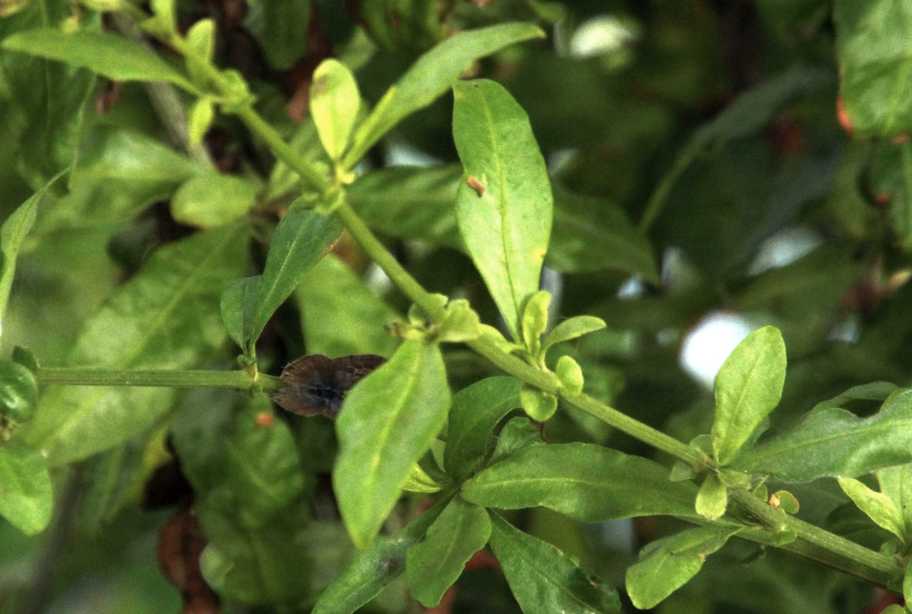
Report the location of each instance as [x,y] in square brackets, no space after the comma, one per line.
[431,76]
[109,55]
[388,421]
[572,328]
[876,505]
[476,412]
[435,563]
[334,104]
[166,316]
[544,579]
[834,442]
[506,223]
[896,483]
[668,564]
[583,481]
[26,497]
[748,388]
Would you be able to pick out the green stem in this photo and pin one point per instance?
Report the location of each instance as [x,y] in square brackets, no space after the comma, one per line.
[237,380]
[659,196]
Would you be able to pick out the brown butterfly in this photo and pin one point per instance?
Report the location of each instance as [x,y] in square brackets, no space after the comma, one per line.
[317,385]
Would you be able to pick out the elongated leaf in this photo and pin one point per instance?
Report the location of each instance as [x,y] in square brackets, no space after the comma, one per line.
[109,55]
[282,28]
[374,568]
[236,306]
[476,412]
[831,441]
[12,235]
[431,76]
[874,59]
[668,564]
[748,388]
[877,506]
[334,104]
[387,423]
[212,200]
[341,315]
[436,562]
[505,220]
[544,579]
[572,328]
[165,317]
[299,241]
[583,481]
[26,497]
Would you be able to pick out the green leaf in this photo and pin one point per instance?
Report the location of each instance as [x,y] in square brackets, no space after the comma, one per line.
[334,104]
[26,497]
[202,114]
[506,223]
[906,589]
[340,314]
[166,316]
[282,28]
[748,388]
[831,441]
[109,55]
[431,76]
[876,505]
[874,58]
[212,200]
[896,483]
[544,579]
[538,405]
[298,243]
[570,329]
[236,307]
[476,412]
[375,567]
[584,481]
[712,498]
[570,374]
[201,44]
[388,421]
[435,563]
[18,392]
[535,320]
[12,235]
[668,564]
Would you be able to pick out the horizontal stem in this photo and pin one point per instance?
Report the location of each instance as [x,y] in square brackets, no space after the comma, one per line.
[238,380]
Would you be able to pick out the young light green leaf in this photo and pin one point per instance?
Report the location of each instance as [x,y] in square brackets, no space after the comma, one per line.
[26,497]
[538,405]
[202,114]
[431,76]
[748,388]
[570,329]
[906,589]
[12,235]
[201,42]
[164,11]
[505,220]
[374,568]
[876,505]
[570,374]
[298,243]
[535,320]
[584,481]
[476,412]
[340,314]
[212,200]
[166,316]
[834,442]
[18,392]
[896,483]
[388,421]
[785,501]
[111,56]
[544,579]
[712,498]
[334,104]
[668,564]
[435,563]
[874,57]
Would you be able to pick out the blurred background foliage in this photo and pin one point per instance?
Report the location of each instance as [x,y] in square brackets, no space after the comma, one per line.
[716,121]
